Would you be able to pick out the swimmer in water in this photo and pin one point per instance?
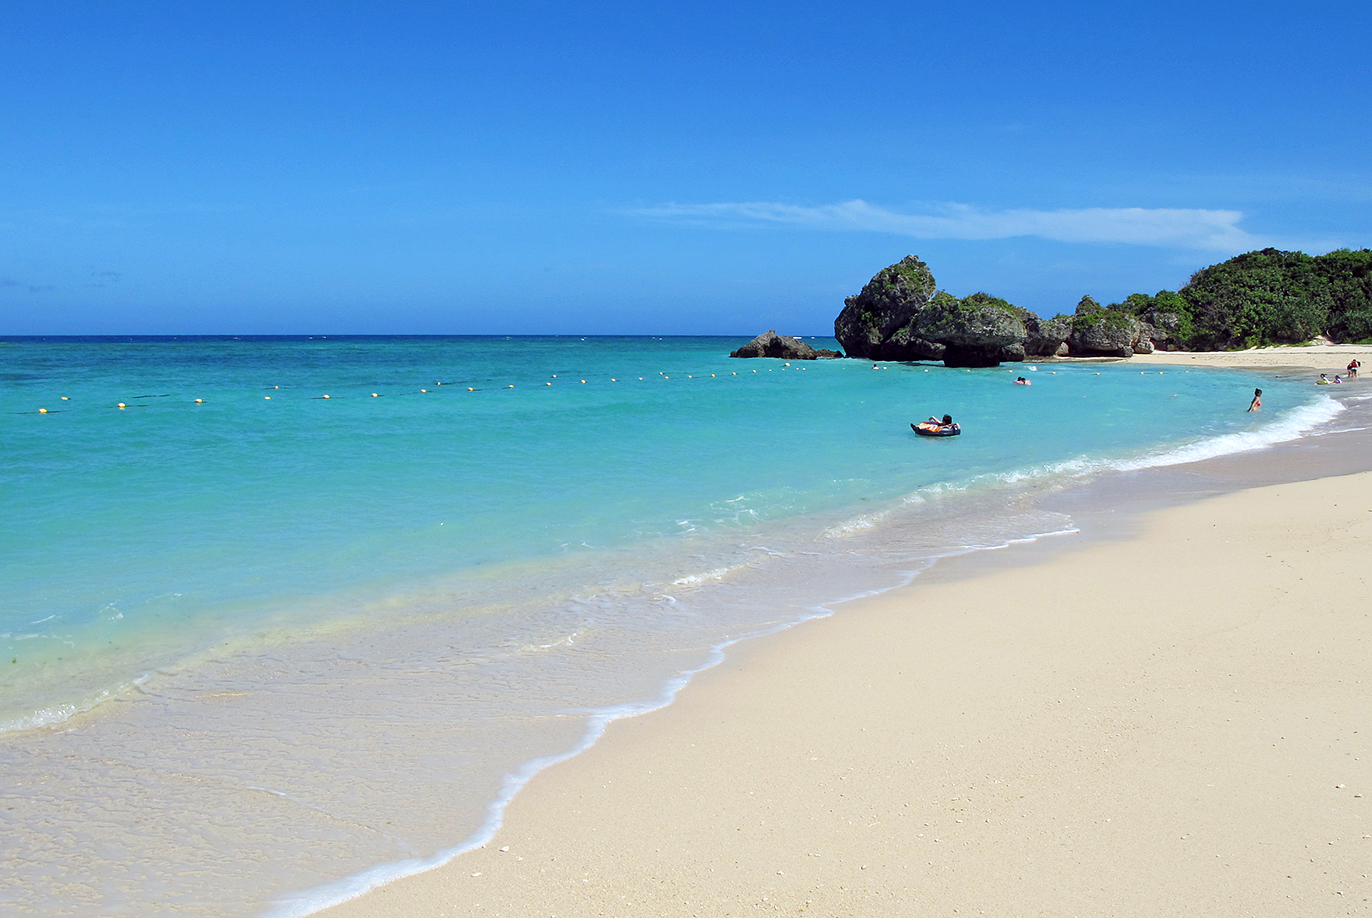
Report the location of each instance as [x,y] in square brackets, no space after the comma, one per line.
[1256,403]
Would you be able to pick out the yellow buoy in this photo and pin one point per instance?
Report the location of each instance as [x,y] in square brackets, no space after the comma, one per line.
[267,397]
[583,382]
[547,384]
[374,395]
[200,401]
[276,387]
[554,376]
[326,396]
[612,379]
[42,411]
[510,386]
[423,390]
[640,379]
[64,398]
[122,405]
[712,376]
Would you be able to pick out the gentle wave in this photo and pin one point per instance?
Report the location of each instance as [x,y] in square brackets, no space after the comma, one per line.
[863,523]
[695,580]
[1291,425]
[60,713]
[319,898]
[310,901]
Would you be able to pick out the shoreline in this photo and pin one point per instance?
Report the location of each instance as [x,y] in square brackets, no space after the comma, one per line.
[1330,358]
[356,753]
[722,712]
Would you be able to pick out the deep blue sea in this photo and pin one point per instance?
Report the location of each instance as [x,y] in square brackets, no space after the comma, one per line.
[282,617]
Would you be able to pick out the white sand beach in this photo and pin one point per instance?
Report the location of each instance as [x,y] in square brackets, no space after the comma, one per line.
[1323,358]
[1175,724]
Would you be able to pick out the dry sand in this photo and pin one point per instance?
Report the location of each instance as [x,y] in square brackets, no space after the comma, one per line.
[1175,725]
[1328,358]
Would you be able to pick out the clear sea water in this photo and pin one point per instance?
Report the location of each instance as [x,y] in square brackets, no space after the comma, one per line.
[303,613]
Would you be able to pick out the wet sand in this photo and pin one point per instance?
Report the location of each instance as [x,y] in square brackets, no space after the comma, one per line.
[1176,722]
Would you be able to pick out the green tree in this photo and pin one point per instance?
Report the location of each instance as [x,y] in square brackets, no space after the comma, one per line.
[1259,298]
[1348,278]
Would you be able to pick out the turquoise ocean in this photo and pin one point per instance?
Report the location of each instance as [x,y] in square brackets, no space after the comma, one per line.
[283,618]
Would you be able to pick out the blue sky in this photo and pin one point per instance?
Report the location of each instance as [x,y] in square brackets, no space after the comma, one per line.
[197,167]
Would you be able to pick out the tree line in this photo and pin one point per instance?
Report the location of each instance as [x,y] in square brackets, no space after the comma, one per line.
[1267,297]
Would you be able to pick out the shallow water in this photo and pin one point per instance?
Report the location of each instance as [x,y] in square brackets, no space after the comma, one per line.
[267,641]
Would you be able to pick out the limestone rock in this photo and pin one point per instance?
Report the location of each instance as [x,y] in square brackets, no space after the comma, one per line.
[906,344]
[977,331]
[770,344]
[901,315]
[1101,332]
[1046,337]
[1163,329]
[886,303]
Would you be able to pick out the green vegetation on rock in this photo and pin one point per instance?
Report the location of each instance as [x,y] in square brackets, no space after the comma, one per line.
[1258,298]
[1263,298]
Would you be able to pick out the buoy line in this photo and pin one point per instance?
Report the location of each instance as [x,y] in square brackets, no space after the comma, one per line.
[131,403]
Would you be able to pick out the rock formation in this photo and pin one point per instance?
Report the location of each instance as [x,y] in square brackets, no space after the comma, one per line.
[978,331]
[901,315]
[887,303]
[1046,337]
[770,344]
[1259,298]
[1101,332]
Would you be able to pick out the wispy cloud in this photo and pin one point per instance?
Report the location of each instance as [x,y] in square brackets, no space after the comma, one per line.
[104,278]
[1187,228]
[32,288]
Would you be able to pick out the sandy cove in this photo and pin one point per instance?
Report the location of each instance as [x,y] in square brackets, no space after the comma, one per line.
[1328,358]
[1178,724]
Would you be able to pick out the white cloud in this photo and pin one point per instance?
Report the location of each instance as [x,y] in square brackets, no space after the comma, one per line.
[1187,228]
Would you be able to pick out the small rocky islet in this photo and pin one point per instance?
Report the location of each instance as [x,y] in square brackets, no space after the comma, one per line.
[1260,298]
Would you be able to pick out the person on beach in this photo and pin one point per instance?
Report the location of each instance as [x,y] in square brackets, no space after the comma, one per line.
[1353,368]
[1256,403]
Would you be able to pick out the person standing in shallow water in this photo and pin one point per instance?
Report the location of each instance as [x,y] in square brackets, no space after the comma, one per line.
[1256,403]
